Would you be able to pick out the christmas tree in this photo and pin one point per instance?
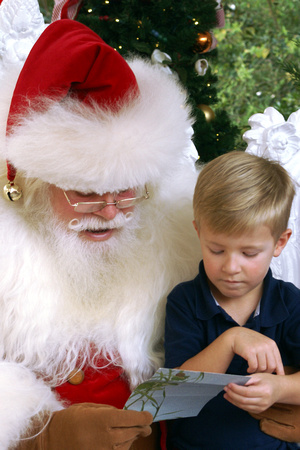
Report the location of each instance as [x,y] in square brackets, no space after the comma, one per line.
[292,67]
[178,35]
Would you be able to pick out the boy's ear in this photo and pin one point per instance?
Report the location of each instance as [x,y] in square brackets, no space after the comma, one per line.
[282,241]
[196,227]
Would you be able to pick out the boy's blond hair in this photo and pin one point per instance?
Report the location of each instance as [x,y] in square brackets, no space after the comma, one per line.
[238,191]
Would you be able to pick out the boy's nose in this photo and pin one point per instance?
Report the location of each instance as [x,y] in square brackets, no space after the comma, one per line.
[231,265]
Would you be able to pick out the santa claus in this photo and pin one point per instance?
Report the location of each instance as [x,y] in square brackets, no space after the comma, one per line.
[96,228]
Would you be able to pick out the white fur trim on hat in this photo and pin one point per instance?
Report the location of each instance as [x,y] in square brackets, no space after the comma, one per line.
[93,149]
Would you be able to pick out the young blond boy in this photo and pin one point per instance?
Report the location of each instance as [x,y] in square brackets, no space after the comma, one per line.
[234,317]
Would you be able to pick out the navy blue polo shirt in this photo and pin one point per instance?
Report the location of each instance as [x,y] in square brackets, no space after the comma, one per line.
[193,321]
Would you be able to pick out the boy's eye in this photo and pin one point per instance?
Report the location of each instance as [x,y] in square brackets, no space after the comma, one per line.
[250,255]
[216,252]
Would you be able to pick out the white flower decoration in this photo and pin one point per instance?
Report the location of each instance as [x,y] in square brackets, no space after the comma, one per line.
[159,57]
[21,24]
[272,136]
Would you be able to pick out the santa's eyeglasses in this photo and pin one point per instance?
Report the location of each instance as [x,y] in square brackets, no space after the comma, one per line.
[122,200]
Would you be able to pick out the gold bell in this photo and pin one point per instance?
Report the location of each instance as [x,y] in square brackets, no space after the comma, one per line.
[12,192]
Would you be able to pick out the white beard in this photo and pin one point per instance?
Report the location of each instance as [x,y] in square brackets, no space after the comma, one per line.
[63,296]
[74,295]
[90,269]
[92,277]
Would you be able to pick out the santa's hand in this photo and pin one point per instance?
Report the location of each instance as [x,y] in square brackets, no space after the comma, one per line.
[92,426]
[281,421]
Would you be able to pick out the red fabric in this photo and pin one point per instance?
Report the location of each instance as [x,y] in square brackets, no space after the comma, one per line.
[163,435]
[11,171]
[106,385]
[69,58]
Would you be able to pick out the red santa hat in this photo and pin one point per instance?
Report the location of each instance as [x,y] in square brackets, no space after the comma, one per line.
[81,117]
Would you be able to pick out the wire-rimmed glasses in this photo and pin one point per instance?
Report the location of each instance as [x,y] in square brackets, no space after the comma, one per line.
[121,203]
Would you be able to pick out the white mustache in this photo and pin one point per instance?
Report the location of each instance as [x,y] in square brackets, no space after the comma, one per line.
[96,223]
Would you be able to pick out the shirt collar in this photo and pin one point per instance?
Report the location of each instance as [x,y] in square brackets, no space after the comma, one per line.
[256,312]
[271,309]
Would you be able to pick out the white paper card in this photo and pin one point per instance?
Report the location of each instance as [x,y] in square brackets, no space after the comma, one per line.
[175,393]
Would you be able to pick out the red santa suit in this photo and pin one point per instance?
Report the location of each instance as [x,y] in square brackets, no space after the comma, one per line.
[106,386]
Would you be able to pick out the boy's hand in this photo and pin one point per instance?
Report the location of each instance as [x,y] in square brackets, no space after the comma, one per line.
[259,351]
[257,395]
[281,421]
